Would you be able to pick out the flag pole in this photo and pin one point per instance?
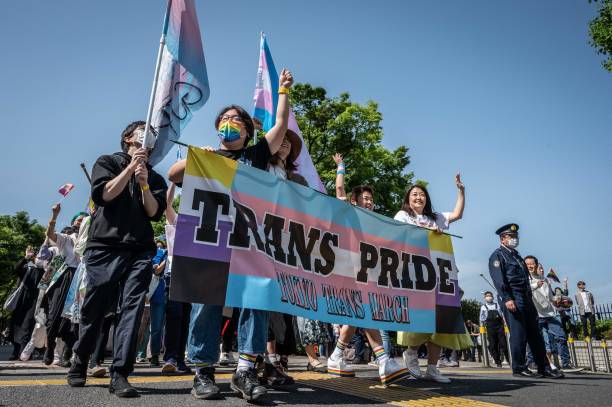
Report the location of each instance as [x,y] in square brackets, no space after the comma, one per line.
[86,172]
[162,43]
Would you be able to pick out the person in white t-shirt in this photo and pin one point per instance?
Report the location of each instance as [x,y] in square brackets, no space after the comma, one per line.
[418,210]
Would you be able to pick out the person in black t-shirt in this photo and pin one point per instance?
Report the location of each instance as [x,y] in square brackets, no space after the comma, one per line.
[235,129]
[128,195]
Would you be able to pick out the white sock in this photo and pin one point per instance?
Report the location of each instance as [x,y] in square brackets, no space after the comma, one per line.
[246,361]
[337,354]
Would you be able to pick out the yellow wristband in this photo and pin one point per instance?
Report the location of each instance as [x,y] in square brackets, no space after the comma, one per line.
[144,188]
[283,90]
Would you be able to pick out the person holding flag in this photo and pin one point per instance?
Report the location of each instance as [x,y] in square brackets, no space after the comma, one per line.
[235,129]
[128,195]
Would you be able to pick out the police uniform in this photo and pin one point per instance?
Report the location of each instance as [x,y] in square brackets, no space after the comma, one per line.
[511,279]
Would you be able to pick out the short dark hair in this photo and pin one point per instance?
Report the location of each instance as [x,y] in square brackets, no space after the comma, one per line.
[487,293]
[532,257]
[580,283]
[247,120]
[360,189]
[130,129]
[427,210]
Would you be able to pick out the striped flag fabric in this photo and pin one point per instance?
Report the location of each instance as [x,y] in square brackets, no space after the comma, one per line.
[266,101]
[182,87]
[65,189]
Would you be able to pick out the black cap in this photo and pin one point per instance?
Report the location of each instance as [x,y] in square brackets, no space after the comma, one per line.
[509,228]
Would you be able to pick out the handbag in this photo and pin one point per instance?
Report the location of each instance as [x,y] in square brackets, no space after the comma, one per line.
[11,302]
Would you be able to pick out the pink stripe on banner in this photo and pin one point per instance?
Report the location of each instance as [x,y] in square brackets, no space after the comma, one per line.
[261,207]
[254,263]
[263,100]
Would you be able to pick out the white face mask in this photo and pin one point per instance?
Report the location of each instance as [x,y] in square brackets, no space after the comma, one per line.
[512,242]
[489,299]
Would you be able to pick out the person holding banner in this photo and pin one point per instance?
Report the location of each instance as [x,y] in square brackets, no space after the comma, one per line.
[388,370]
[129,195]
[418,210]
[311,332]
[235,129]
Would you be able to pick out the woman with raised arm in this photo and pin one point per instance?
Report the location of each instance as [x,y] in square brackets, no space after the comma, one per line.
[418,210]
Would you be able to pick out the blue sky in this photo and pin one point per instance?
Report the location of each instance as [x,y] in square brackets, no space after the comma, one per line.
[508,93]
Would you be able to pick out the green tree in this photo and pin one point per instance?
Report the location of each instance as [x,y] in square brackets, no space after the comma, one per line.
[159,227]
[336,124]
[470,308]
[16,233]
[600,29]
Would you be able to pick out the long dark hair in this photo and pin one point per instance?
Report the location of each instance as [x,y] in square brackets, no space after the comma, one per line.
[427,210]
[246,120]
[290,165]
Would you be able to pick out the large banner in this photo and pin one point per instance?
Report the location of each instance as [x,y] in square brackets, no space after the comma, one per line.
[248,239]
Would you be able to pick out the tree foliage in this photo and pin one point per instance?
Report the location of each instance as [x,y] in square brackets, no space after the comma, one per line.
[470,308]
[336,124]
[16,233]
[600,29]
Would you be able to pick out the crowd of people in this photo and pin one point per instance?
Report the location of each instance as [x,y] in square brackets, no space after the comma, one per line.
[107,274]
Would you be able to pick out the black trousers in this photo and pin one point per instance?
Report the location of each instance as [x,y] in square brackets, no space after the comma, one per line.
[588,316]
[497,345]
[119,277]
[524,329]
[97,358]
[177,330]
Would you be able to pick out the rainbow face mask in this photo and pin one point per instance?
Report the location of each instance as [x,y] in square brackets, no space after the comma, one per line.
[228,132]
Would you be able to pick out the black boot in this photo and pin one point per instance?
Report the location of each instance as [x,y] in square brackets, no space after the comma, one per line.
[120,387]
[49,353]
[204,386]
[77,375]
[66,355]
[245,382]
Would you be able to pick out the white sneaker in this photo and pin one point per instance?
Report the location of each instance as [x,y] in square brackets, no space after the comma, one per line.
[411,358]
[339,368]
[453,363]
[226,359]
[27,352]
[96,371]
[390,372]
[433,374]
[553,367]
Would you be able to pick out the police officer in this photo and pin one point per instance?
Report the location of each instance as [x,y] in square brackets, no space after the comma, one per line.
[490,316]
[511,280]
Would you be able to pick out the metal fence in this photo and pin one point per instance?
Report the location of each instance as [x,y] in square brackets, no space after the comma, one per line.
[593,355]
[602,312]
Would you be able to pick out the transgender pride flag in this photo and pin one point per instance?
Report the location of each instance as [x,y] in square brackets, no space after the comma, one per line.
[182,85]
[266,100]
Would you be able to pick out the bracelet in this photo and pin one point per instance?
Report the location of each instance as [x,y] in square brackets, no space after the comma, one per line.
[283,90]
[144,188]
[51,222]
[341,169]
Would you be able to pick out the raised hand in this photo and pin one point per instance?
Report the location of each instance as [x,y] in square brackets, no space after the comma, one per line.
[55,210]
[337,158]
[140,156]
[29,252]
[458,182]
[142,174]
[285,78]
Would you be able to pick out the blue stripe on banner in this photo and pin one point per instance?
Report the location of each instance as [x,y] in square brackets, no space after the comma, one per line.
[246,292]
[268,187]
[263,115]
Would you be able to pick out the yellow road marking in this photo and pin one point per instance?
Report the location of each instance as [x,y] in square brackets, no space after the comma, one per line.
[368,389]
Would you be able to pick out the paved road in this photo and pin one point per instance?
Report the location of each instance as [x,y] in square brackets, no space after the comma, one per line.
[32,384]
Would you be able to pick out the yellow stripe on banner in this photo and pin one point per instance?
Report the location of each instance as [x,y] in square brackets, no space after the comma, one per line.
[440,243]
[206,164]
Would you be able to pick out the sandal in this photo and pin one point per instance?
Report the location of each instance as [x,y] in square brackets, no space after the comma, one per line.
[316,367]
